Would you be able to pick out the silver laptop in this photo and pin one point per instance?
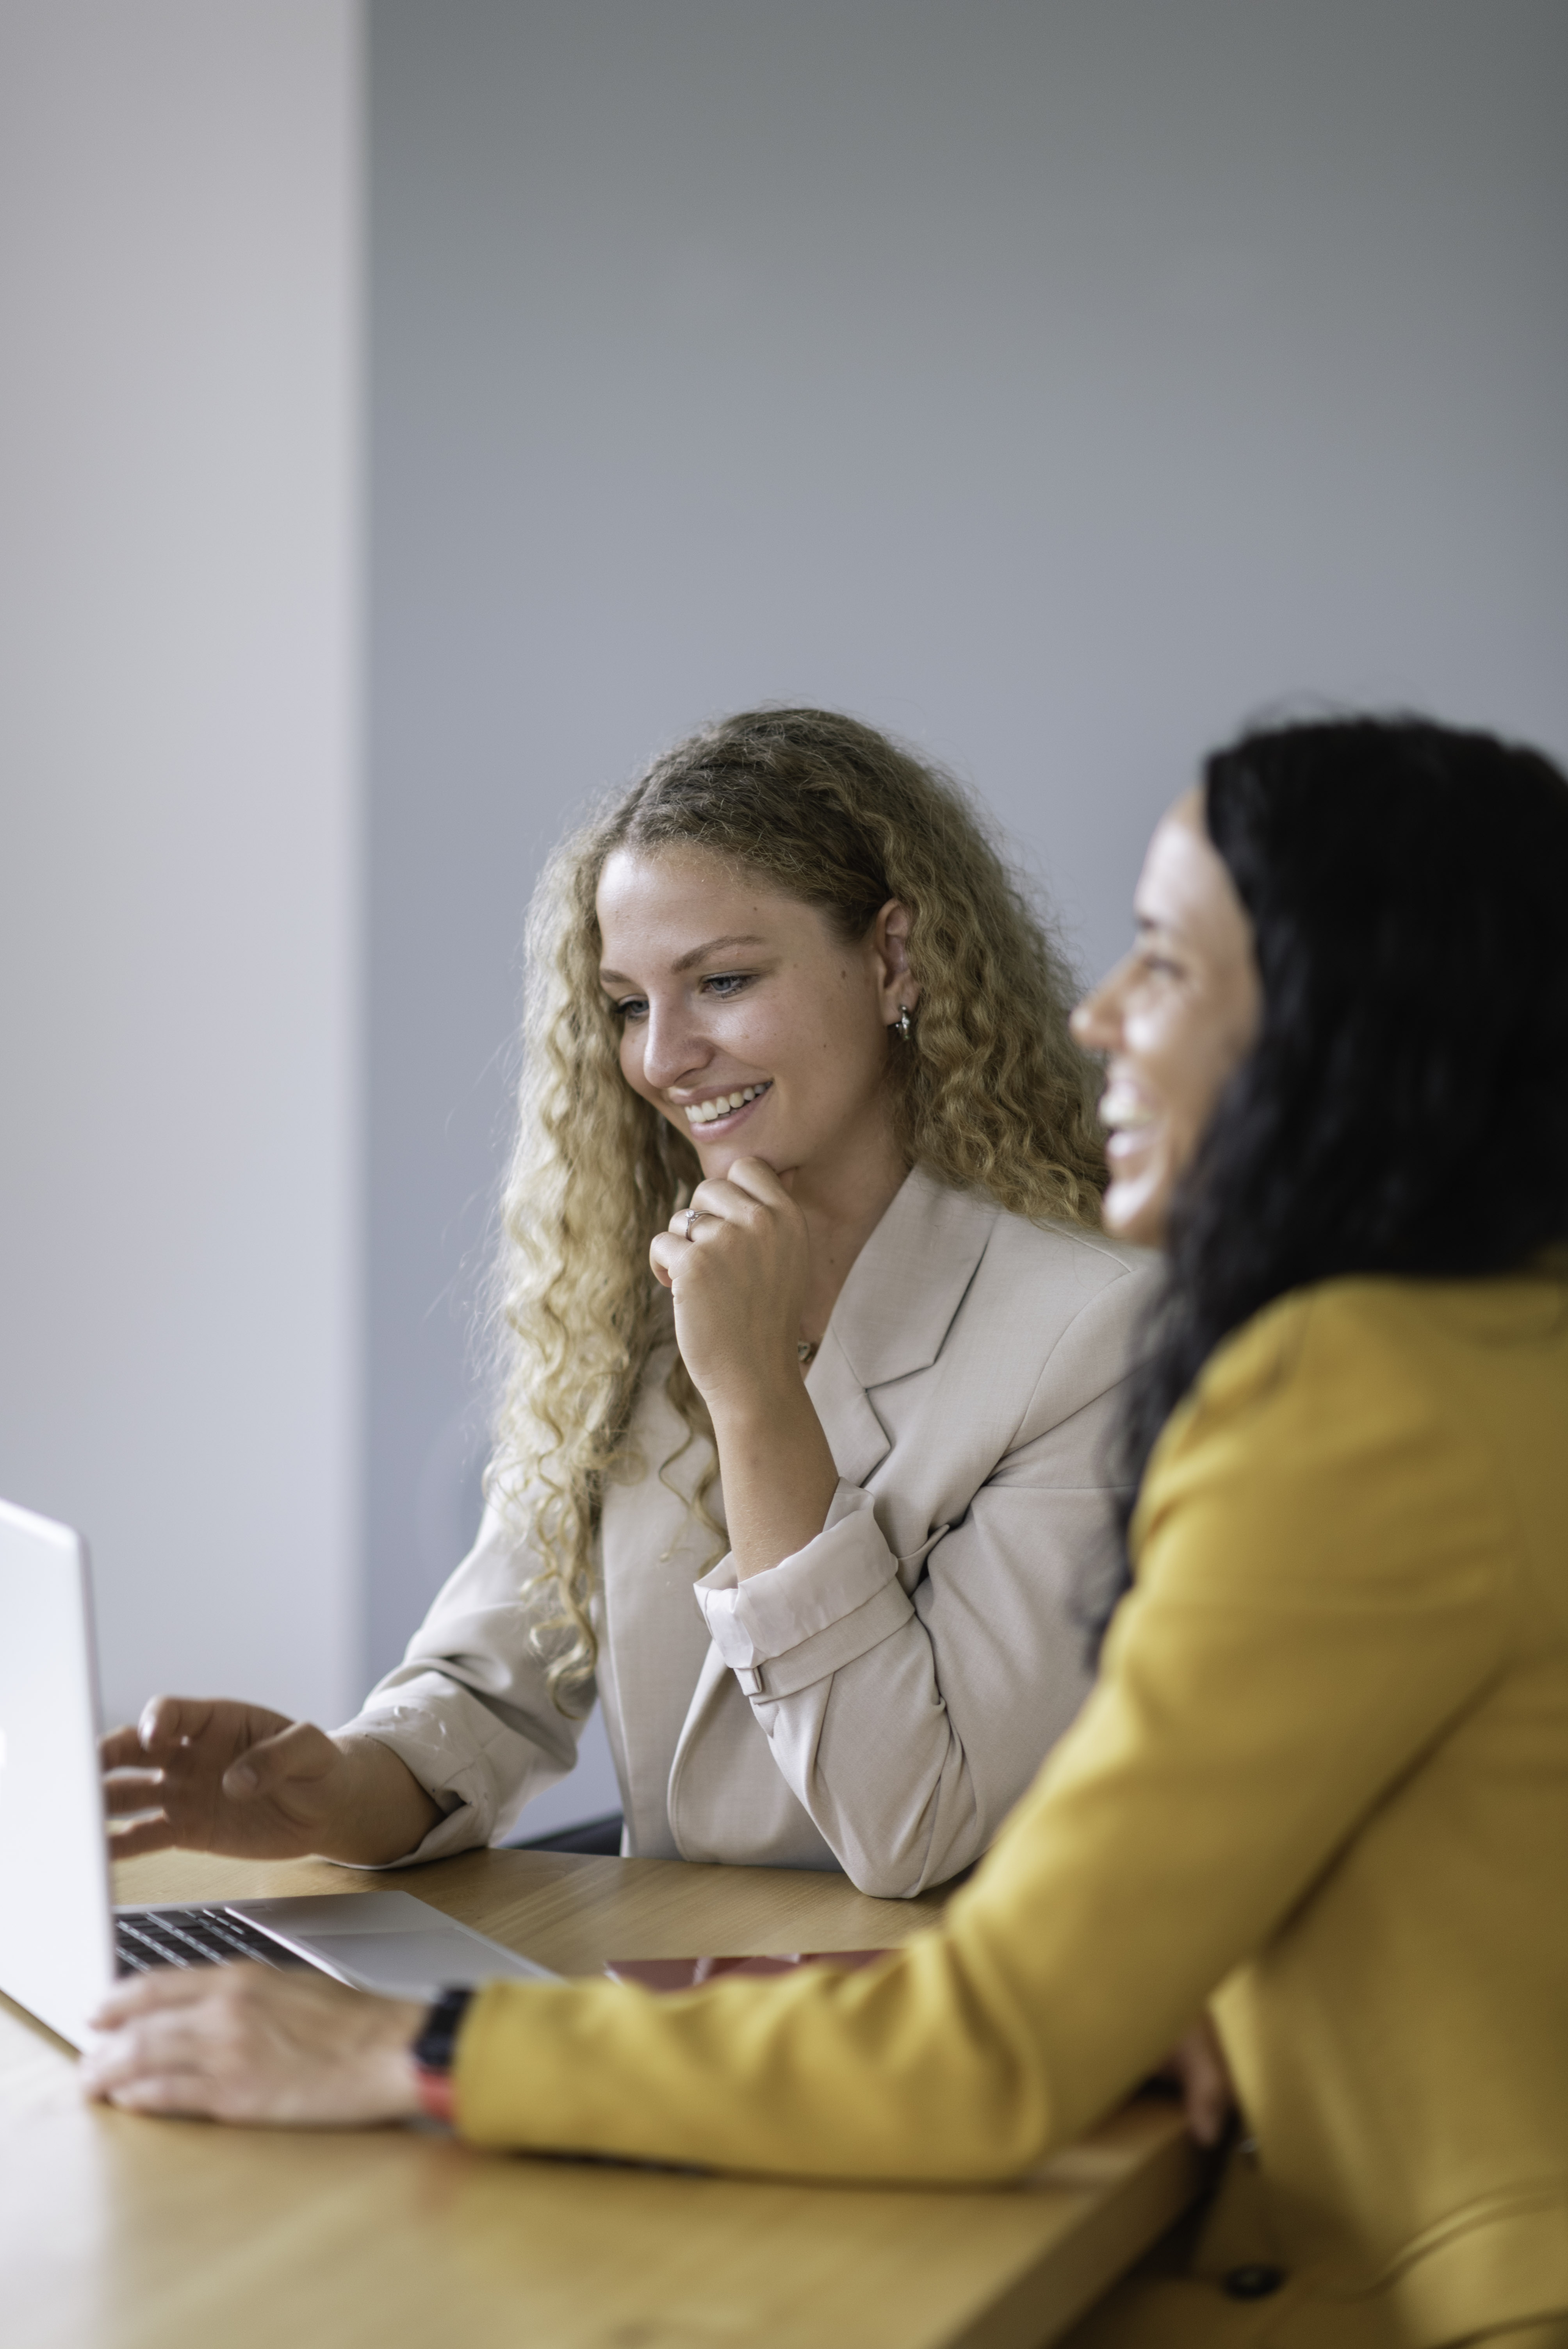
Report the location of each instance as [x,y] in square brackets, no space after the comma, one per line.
[61,1941]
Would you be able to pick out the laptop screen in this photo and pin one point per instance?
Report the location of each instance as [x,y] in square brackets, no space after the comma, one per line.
[55,1936]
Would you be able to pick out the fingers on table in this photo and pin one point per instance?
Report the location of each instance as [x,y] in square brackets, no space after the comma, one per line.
[233,2043]
[173,2038]
[173,2095]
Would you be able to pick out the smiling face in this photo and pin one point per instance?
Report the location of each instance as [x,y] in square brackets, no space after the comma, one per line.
[745,1019]
[1177,1017]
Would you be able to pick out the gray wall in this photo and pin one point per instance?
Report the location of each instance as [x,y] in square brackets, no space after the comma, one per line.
[1052,383]
[180,1263]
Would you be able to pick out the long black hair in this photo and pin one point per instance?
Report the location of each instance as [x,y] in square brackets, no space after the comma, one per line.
[1404,1107]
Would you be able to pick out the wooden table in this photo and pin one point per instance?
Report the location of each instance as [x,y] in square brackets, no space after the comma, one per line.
[125,2233]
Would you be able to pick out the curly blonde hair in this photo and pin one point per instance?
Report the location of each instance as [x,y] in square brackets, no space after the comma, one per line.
[991,1092]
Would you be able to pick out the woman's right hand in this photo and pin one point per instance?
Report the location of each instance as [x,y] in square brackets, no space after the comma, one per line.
[210,1775]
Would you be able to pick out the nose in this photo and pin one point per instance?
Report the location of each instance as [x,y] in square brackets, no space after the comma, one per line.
[1096,1022]
[672,1047]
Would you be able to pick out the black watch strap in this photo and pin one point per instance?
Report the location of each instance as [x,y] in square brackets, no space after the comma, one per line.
[439,2032]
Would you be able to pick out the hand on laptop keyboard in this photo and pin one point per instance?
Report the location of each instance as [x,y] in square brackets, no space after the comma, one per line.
[242,2043]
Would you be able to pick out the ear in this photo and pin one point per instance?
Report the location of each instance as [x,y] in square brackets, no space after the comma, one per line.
[889,941]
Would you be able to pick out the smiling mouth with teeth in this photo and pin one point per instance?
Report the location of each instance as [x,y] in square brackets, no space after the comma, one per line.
[1123,1110]
[709,1112]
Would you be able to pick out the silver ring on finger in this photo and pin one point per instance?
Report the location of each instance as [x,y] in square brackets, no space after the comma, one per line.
[693,1215]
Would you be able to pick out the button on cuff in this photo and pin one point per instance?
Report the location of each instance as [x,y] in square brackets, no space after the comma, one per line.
[1255,2281]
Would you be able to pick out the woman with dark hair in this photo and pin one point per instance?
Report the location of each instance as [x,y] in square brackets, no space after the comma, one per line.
[1323,1780]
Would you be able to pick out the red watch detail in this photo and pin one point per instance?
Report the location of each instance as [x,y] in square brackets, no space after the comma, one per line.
[435,2093]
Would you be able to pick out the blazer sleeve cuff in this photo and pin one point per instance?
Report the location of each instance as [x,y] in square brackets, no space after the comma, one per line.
[815,1611]
[449,1767]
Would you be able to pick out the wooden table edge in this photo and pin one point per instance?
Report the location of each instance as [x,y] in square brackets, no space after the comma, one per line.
[1162,2172]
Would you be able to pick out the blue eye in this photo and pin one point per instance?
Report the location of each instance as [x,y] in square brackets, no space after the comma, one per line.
[726,983]
[631,1007]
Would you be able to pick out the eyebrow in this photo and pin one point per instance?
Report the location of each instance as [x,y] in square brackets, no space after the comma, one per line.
[695,955]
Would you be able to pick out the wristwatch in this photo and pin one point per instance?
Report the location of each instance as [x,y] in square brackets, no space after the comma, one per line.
[433,2050]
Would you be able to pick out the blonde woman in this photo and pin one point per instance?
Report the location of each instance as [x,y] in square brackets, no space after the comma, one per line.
[818,1510]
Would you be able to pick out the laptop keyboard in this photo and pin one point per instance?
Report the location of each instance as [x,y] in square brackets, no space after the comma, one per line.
[190,1937]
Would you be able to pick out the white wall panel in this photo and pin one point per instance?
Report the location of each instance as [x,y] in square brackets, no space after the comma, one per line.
[180,1093]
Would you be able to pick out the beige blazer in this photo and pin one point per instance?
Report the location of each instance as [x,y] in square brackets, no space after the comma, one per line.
[880,1700]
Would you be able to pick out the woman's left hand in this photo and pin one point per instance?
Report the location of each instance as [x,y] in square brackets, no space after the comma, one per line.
[245,2044]
[738,1284]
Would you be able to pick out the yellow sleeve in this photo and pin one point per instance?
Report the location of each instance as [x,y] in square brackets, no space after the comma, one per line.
[1323,1582]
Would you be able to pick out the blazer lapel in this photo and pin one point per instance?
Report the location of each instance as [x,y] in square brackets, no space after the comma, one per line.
[894,1311]
[856,1436]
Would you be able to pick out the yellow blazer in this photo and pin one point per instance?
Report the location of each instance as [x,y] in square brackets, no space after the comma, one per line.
[1323,1780]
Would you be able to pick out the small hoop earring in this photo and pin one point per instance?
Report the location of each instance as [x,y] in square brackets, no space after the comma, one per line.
[903,1024]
